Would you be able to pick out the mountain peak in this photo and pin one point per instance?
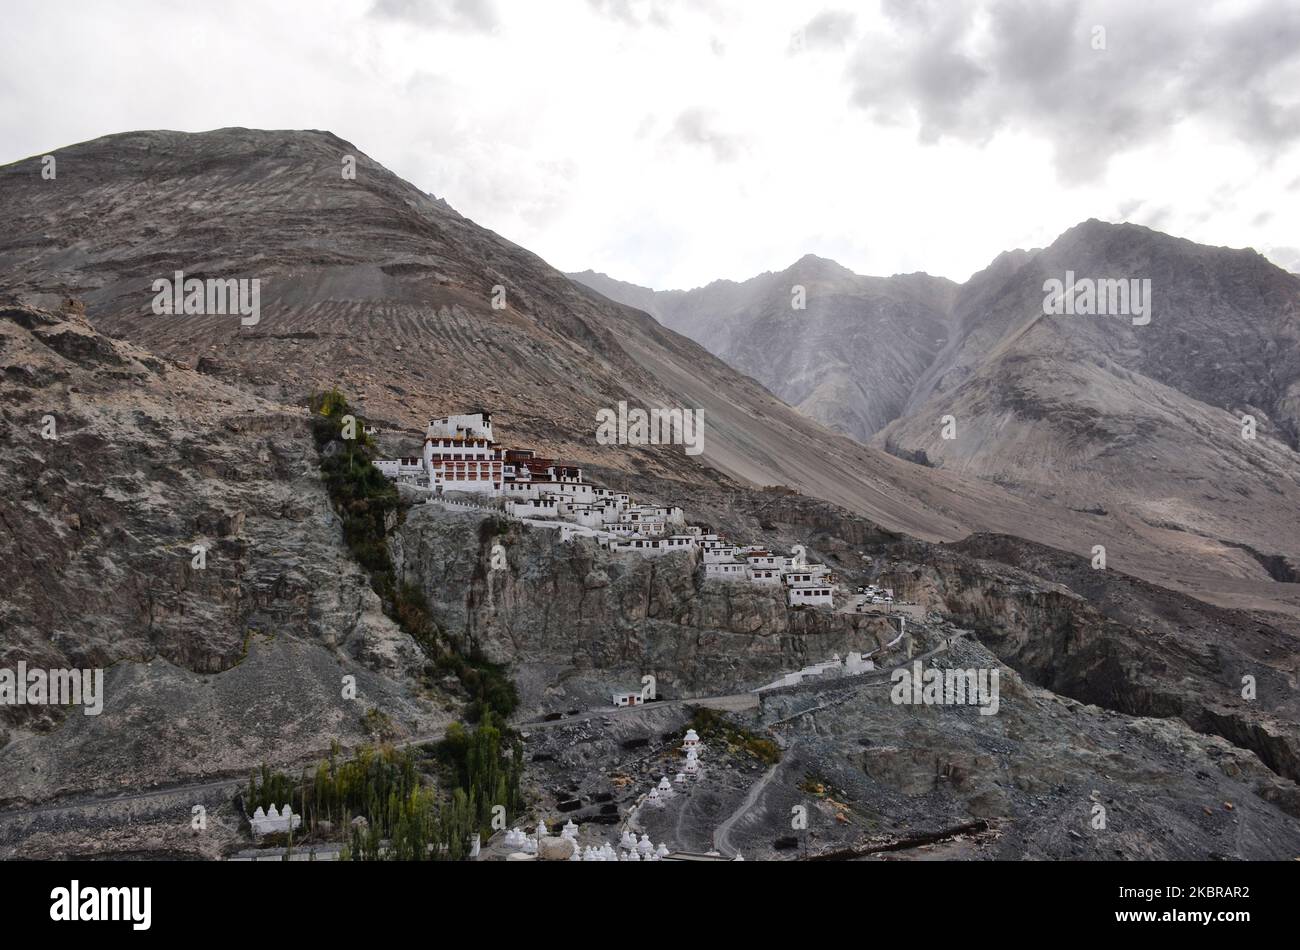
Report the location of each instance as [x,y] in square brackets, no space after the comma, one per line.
[811,265]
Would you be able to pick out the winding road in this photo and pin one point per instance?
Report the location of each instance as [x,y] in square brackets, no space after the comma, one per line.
[722,834]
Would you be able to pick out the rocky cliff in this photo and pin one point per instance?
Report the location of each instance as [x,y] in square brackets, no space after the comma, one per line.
[605,620]
[1117,642]
[120,468]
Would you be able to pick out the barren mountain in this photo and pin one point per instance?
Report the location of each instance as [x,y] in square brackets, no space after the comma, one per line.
[1224,324]
[370,284]
[187,432]
[373,285]
[174,531]
[846,350]
[1104,414]
[378,287]
[1136,426]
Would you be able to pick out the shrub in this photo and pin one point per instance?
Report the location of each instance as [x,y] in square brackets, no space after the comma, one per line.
[712,725]
[366,501]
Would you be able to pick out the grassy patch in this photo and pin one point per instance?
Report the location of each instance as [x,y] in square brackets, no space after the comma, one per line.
[379,724]
[712,726]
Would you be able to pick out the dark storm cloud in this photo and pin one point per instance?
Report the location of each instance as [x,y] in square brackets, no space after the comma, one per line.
[970,71]
[469,15]
[927,73]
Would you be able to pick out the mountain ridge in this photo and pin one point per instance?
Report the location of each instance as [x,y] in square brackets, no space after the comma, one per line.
[374,286]
[1086,412]
[203,437]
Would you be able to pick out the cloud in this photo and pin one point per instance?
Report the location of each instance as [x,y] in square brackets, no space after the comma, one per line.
[635,13]
[968,72]
[1288,258]
[830,29]
[699,127]
[1157,219]
[467,15]
[1128,208]
[596,138]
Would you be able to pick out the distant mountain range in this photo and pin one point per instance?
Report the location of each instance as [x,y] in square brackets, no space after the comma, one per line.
[1099,414]
[850,359]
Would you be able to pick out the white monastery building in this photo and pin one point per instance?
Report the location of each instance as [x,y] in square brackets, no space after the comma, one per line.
[461,454]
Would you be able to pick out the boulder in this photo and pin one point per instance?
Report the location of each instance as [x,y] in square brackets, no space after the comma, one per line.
[555,849]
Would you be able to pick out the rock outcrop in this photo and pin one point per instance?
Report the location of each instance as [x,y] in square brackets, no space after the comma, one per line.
[572,606]
[174,532]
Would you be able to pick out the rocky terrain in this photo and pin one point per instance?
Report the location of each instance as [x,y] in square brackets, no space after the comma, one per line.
[1137,426]
[208,670]
[1116,693]
[1111,640]
[902,782]
[590,622]
[375,286]
[849,354]
[1099,414]
[176,432]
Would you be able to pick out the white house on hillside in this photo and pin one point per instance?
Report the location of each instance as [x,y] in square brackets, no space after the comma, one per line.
[461,455]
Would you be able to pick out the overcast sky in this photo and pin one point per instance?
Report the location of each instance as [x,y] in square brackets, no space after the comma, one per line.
[672,143]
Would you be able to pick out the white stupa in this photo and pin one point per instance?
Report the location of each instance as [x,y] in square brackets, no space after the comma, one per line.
[661,851]
[665,788]
[692,739]
[570,830]
[628,841]
[645,847]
